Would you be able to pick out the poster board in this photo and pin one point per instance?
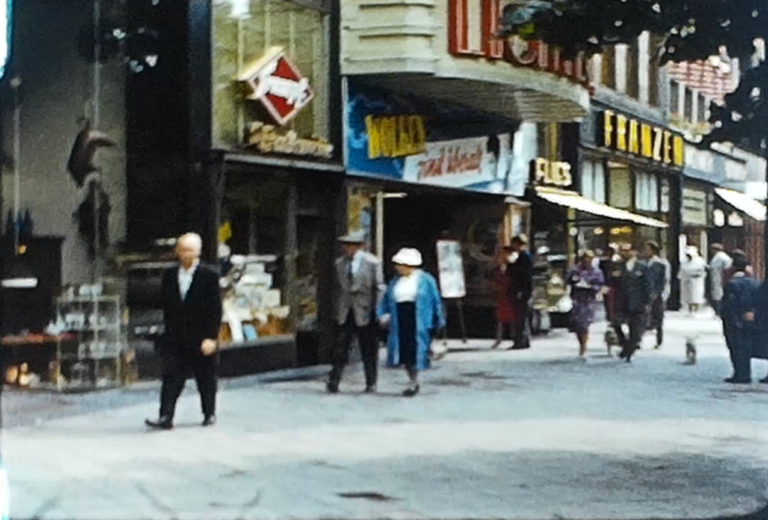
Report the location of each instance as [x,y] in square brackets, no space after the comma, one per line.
[451,269]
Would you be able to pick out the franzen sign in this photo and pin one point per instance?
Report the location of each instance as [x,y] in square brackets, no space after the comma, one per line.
[471,34]
[626,134]
[276,82]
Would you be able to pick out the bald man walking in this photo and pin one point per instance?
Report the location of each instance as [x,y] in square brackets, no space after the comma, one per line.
[191,300]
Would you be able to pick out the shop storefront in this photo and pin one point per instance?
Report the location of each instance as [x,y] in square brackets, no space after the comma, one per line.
[421,171]
[279,184]
[739,223]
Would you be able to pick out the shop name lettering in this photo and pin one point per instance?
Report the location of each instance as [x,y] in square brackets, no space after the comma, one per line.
[395,136]
[267,140]
[624,134]
[516,51]
[552,173]
[453,160]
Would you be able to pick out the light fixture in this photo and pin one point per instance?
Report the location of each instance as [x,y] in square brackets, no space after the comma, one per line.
[394,195]
[17,275]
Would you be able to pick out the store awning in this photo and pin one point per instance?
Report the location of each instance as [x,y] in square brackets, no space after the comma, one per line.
[575,201]
[743,202]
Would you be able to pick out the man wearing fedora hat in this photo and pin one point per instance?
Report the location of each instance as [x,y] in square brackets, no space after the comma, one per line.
[359,287]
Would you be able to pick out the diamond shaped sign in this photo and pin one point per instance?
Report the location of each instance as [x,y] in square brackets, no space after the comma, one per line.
[277,83]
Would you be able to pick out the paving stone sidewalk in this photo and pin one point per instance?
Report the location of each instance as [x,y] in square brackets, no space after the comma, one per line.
[495,434]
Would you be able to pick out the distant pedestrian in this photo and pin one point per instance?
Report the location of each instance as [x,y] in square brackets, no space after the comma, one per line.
[584,281]
[412,310]
[358,289]
[660,273]
[611,268]
[505,310]
[191,300]
[740,303]
[693,273]
[633,300]
[718,266]
[520,272]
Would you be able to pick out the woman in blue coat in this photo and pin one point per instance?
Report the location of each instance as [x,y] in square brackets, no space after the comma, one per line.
[413,311]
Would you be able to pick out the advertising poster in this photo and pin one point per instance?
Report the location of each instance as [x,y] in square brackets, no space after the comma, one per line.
[451,269]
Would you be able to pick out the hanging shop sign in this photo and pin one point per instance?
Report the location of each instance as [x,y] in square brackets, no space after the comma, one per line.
[625,134]
[399,137]
[471,33]
[268,139]
[551,173]
[276,82]
[694,207]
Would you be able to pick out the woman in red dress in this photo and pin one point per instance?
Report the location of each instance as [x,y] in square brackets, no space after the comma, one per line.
[505,311]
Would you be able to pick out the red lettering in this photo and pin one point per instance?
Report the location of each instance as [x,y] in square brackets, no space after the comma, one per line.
[493,48]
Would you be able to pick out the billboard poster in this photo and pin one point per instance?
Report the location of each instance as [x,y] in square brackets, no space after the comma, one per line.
[402,138]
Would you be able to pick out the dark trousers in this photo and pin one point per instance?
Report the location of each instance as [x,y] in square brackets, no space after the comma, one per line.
[178,363]
[367,337]
[739,343]
[521,327]
[657,319]
[637,322]
[716,306]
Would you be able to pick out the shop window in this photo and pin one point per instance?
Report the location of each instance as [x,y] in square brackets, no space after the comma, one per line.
[646,192]
[664,196]
[620,187]
[633,70]
[593,180]
[243,33]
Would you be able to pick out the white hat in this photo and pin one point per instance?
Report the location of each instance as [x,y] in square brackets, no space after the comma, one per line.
[408,257]
[355,237]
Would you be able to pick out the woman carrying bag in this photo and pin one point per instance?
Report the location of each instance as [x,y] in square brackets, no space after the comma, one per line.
[412,310]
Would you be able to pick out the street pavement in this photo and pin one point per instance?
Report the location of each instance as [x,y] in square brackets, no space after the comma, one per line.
[533,435]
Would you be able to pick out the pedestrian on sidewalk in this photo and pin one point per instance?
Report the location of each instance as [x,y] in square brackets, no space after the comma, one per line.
[505,310]
[520,272]
[740,303]
[633,301]
[584,282]
[191,300]
[660,273]
[718,266]
[359,287]
[413,312]
[693,273]
[611,268]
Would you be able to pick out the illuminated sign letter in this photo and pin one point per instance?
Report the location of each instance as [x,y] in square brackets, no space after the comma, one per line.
[646,141]
[634,137]
[621,133]
[373,129]
[679,151]
[608,128]
[658,142]
[667,147]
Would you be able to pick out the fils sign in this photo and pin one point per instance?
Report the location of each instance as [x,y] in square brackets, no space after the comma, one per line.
[625,134]
[276,82]
[471,33]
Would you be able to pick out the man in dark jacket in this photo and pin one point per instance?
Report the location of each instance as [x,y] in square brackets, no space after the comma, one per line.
[191,300]
[739,305]
[659,271]
[633,301]
[520,272]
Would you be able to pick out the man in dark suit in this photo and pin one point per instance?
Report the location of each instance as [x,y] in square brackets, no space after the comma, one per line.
[520,272]
[633,301]
[741,303]
[660,273]
[191,300]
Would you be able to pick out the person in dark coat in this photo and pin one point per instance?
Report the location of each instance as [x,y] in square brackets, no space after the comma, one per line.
[191,300]
[739,305]
[611,268]
[520,272]
[661,273]
[633,301]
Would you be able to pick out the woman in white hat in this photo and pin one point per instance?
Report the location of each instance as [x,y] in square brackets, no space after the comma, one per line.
[413,310]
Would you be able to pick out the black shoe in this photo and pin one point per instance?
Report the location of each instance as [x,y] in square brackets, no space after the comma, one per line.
[332,387]
[412,391]
[210,420]
[163,423]
[764,381]
[739,381]
[515,347]
[370,389]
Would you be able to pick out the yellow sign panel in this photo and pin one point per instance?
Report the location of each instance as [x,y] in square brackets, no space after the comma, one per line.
[625,134]
[395,136]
